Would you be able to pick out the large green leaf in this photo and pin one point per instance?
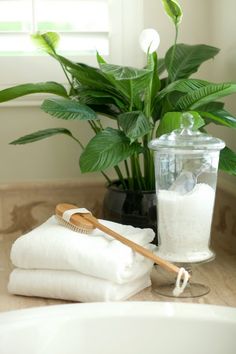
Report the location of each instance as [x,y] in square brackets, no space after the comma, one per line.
[94,79]
[134,124]
[123,72]
[89,76]
[105,150]
[106,110]
[46,41]
[139,90]
[67,63]
[41,134]
[187,59]
[183,85]
[205,94]
[172,121]
[68,109]
[228,161]
[128,82]
[161,67]
[99,97]
[173,10]
[27,89]
[220,117]
[211,106]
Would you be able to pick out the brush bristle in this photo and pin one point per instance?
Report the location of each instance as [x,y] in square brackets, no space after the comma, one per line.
[71,226]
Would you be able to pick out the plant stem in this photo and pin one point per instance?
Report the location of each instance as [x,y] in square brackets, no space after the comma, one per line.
[173,52]
[152,172]
[100,124]
[127,172]
[106,177]
[131,97]
[79,142]
[94,128]
[141,181]
[120,176]
[146,160]
[70,82]
[133,171]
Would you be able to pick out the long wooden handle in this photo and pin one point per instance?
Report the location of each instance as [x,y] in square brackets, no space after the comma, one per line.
[143,251]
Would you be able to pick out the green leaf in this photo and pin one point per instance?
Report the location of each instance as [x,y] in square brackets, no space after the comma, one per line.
[123,72]
[105,150]
[100,59]
[68,64]
[98,97]
[107,110]
[173,10]
[134,124]
[39,135]
[205,94]
[91,77]
[68,109]
[187,59]
[161,67]
[228,161]
[183,85]
[27,89]
[211,106]
[220,117]
[46,41]
[172,121]
[128,82]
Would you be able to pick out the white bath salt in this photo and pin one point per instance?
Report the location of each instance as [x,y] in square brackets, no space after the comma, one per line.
[184,224]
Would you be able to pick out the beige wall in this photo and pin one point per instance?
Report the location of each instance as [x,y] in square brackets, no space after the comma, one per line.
[205,21]
[54,158]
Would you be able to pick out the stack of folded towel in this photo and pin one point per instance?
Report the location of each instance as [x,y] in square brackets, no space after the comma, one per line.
[55,262]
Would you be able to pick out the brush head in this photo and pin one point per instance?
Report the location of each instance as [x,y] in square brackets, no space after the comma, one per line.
[76,222]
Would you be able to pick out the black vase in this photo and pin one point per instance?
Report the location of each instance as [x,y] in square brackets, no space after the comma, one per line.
[136,208]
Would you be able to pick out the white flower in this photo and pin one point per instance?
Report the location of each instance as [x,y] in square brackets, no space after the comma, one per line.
[149,40]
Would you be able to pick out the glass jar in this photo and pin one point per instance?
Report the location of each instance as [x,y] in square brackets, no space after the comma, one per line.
[186,165]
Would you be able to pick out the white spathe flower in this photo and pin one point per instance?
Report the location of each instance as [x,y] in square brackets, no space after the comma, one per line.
[149,40]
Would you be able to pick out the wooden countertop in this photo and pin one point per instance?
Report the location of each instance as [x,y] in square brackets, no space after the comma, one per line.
[219,275]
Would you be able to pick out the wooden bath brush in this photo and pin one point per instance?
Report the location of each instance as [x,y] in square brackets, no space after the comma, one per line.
[81,220]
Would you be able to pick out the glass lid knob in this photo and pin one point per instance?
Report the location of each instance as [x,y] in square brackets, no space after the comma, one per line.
[186,123]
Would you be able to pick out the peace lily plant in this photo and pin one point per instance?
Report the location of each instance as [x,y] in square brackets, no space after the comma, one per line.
[144,103]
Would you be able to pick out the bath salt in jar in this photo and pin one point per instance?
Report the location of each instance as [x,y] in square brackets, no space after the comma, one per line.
[186,165]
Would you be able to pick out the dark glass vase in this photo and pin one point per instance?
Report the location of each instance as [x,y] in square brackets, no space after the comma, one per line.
[136,208]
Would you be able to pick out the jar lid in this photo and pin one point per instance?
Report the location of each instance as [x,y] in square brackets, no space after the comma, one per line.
[187,138]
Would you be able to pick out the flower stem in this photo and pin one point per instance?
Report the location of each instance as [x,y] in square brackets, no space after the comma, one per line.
[131,97]
[173,53]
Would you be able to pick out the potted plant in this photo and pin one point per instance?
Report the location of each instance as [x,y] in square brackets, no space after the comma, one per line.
[143,103]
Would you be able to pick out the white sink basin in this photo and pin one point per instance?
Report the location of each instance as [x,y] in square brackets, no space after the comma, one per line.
[120,328]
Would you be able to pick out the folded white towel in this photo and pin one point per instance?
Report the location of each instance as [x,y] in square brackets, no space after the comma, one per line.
[52,246]
[73,286]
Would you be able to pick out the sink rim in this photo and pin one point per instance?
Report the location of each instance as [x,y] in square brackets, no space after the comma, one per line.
[147,309]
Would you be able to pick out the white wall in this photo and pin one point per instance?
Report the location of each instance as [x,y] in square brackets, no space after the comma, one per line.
[209,22]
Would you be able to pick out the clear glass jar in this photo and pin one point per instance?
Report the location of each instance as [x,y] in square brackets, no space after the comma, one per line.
[186,165]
